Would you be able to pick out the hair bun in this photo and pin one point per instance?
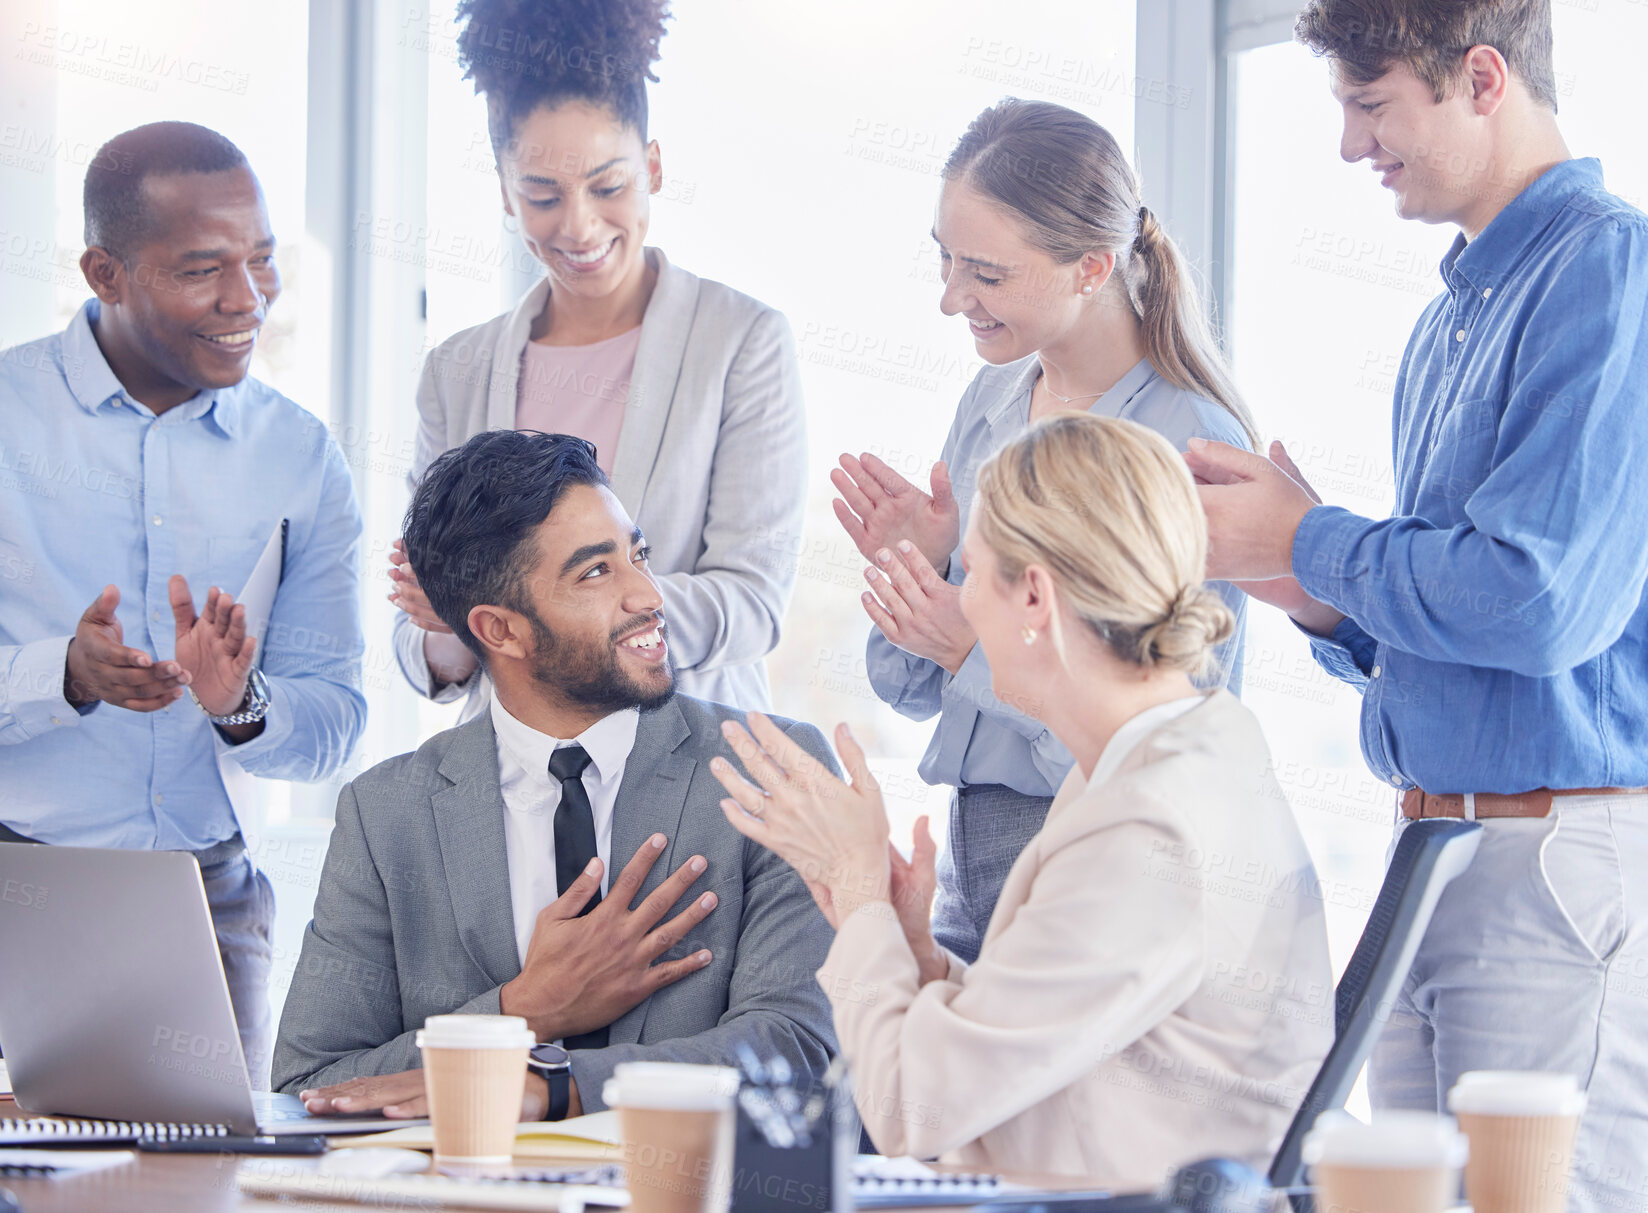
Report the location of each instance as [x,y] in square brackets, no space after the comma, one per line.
[1195,622]
[526,53]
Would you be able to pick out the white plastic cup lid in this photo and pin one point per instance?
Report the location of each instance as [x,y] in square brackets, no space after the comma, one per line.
[475,1032]
[1396,1140]
[1517,1093]
[674,1085]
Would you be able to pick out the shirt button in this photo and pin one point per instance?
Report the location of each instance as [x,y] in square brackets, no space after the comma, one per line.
[1376,671]
[1396,781]
[160,799]
[156,518]
[1486,291]
[157,616]
[1459,336]
[57,720]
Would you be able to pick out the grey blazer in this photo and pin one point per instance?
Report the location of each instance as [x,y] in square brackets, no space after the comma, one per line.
[413,915]
[711,464]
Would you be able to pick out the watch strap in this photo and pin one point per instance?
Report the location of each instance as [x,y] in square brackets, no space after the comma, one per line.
[560,1092]
[254,704]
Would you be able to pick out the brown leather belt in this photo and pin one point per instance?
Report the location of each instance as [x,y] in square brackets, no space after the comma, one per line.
[1417,803]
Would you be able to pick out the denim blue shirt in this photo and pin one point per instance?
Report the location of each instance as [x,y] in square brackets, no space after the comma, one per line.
[979,738]
[1495,622]
[97,490]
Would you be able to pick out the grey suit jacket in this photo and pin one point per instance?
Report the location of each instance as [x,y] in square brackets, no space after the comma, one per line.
[413,915]
[711,464]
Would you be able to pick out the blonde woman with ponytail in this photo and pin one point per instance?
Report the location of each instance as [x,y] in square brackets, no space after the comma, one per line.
[1075,297]
[1154,983]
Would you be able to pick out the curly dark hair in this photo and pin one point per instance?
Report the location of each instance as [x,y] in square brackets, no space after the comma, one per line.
[523,54]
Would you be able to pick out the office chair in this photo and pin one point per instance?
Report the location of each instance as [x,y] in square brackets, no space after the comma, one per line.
[1430,853]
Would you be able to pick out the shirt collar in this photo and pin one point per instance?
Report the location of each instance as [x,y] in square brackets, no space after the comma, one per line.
[1126,739]
[84,366]
[1488,260]
[94,383]
[1119,393]
[608,742]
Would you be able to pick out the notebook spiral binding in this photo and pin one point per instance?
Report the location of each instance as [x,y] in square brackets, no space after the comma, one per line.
[53,1130]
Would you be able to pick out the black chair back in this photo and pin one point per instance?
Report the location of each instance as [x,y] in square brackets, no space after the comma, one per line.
[1430,853]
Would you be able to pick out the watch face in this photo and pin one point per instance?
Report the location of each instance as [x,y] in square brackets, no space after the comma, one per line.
[549,1055]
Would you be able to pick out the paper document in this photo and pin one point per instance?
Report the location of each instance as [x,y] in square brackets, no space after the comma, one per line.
[258,595]
[595,1137]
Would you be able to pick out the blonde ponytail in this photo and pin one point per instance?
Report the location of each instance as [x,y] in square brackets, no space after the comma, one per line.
[1177,337]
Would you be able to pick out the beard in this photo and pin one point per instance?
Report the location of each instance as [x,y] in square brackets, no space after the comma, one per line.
[596,678]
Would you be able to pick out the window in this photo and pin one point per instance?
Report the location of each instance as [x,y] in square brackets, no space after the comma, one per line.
[1326,283]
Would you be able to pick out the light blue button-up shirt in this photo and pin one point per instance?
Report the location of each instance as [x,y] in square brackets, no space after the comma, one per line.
[95,489]
[979,738]
[1496,621]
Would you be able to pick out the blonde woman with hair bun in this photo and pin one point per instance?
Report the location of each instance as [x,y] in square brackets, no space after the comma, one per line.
[1153,985]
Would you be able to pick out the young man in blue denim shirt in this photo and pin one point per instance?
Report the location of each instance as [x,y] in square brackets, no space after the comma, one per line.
[1495,623]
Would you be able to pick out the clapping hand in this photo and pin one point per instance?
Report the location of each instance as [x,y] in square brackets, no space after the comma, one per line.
[833,833]
[916,609]
[212,647]
[878,508]
[408,594]
[1254,506]
[100,667]
[914,881]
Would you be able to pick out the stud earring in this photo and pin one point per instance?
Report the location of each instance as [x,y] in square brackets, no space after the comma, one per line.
[1029,634]
[1088,289]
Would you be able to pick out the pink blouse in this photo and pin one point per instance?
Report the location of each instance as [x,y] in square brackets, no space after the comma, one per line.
[579,390]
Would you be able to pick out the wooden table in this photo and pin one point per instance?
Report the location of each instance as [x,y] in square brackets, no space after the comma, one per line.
[199,1183]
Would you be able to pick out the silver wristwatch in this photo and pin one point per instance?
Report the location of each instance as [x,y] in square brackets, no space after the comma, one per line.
[252,709]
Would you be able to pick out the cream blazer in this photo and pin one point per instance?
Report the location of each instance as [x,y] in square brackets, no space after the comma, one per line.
[711,464]
[1153,987]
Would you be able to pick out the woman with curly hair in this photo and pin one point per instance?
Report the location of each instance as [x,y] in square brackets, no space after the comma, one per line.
[689,390]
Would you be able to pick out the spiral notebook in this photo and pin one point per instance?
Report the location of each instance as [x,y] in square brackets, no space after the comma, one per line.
[63,1131]
[893,1183]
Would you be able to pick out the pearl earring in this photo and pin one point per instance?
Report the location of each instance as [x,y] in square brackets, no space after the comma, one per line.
[1029,634]
[1088,289]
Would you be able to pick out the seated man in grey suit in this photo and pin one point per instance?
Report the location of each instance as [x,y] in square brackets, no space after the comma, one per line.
[472,875]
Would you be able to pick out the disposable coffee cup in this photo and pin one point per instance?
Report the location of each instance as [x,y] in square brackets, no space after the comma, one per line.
[474,1072]
[1522,1125]
[678,1127]
[1404,1162]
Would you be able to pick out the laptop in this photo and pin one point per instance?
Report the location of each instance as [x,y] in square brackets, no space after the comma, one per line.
[113,1004]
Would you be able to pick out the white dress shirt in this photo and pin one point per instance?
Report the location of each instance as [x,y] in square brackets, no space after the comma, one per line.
[531,796]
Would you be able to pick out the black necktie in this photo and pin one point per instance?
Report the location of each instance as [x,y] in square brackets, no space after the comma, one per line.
[575,847]
[574,821]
